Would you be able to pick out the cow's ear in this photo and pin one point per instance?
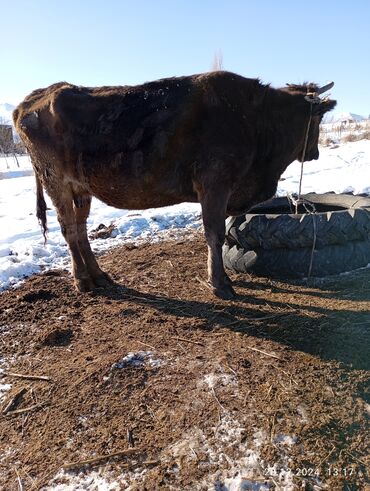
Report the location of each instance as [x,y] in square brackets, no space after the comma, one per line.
[327,105]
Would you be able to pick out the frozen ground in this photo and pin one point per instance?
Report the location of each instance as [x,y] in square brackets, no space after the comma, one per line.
[343,167]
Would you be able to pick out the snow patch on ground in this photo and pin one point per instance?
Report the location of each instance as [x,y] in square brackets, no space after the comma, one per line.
[285,439]
[303,413]
[138,359]
[4,388]
[91,481]
[212,380]
[134,360]
[226,448]
[243,473]
[95,480]
[250,471]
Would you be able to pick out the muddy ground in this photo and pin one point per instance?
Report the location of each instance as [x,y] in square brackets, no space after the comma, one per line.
[269,391]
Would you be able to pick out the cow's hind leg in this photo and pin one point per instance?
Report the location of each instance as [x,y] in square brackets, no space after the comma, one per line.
[82,204]
[63,202]
[214,213]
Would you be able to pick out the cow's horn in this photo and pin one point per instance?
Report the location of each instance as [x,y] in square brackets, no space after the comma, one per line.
[324,88]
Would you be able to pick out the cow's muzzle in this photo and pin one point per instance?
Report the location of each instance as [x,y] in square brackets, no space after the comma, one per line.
[315,155]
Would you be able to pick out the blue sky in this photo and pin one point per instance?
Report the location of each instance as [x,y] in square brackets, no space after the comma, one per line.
[112,42]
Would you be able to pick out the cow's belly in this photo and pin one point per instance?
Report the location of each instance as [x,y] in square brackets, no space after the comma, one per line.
[140,180]
[119,198]
[128,193]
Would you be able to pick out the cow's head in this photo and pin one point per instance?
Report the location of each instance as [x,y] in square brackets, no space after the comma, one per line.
[315,108]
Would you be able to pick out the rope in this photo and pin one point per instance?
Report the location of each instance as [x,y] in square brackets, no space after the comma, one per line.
[303,158]
[313,244]
[312,99]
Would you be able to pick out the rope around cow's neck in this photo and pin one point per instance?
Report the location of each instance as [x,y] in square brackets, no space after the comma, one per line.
[304,153]
[312,99]
[299,200]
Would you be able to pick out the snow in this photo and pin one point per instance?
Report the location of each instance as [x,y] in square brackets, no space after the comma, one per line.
[233,475]
[134,360]
[248,471]
[92,481]
[342,168]
[285,439]
[95,480]
[4,388]
[138,359]
[213,379]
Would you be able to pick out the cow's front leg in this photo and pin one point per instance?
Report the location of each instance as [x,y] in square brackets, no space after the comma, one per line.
[214,212]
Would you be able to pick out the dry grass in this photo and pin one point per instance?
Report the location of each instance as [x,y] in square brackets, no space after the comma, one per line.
[354,136]
[218,62]
[344,133]
[326,141]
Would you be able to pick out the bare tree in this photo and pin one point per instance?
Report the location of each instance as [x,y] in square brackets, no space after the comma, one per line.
[4,121]
[218,61]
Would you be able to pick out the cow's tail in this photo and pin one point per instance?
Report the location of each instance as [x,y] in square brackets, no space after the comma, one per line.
[41,206]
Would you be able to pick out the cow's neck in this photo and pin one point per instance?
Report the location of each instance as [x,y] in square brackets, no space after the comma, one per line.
[287,136]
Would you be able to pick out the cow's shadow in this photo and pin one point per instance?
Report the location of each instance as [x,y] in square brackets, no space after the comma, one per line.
[338,335]
[354,286]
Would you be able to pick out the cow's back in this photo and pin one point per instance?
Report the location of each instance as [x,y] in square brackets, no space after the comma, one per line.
[102,119]
[136,147]
[107,135]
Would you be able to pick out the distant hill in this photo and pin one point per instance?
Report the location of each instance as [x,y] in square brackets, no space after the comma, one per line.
[342,117]
[6,111]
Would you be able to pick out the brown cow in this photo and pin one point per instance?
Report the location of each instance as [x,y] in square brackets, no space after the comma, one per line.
[217,138]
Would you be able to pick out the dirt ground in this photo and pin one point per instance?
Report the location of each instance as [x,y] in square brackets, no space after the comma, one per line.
[270,391]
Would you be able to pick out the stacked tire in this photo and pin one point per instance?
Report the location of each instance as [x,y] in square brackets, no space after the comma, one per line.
[271,240]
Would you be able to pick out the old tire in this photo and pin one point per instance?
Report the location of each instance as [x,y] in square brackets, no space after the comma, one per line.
[271,240]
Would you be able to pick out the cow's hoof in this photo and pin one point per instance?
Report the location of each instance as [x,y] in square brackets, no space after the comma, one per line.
[84,284]
[226,292]
[103,280]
